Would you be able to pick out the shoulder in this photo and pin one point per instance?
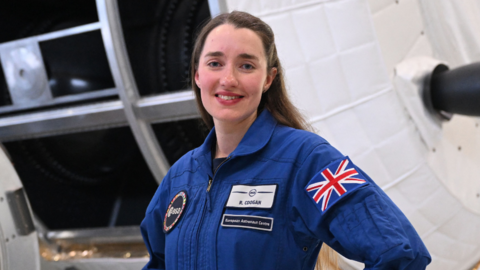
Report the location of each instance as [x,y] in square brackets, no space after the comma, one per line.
[184,164]
[297,136]
[301,145]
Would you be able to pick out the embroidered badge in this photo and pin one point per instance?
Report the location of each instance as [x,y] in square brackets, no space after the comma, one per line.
[259,196]
[334,182]
[174,211]
[248,222]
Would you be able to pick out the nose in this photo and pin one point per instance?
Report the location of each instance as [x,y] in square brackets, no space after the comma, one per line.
[229,77]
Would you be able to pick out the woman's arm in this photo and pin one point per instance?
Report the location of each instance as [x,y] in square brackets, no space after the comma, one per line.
[369,227]
[154,239]
[152,227]
[357,219]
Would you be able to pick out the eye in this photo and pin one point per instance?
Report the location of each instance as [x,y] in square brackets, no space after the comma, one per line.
[247,66]
[214,64]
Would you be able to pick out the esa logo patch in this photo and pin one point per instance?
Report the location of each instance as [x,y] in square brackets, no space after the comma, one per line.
[174,211]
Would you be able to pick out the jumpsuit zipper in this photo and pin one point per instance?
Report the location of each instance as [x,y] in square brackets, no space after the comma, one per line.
[210,182]
[206,205]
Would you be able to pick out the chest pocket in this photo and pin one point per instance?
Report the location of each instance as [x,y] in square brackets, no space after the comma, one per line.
[252,225]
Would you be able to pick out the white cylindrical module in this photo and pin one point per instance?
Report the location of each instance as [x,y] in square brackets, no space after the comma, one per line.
[339,59]
[18,240]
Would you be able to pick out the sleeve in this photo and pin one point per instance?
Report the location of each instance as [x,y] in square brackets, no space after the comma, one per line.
[154,239]
[355,218]
[152,228]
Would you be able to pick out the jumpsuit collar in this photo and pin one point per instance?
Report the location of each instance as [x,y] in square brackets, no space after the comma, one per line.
[255,139]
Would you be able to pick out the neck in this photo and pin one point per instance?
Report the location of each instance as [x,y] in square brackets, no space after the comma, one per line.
[230,134]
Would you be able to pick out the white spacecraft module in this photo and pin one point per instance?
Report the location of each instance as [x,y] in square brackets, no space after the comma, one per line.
[356,69]
[18,239]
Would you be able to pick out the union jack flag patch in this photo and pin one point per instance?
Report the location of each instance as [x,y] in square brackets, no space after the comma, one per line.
[334,182]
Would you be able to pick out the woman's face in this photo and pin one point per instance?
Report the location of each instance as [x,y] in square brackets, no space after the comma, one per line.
[232,74]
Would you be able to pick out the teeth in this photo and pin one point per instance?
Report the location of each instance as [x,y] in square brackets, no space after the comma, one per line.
[228,97]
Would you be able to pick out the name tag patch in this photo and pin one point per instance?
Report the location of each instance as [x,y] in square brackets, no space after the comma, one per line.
[243,196]
[249,222]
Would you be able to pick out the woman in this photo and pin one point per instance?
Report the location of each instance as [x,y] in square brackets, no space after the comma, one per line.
[261,192]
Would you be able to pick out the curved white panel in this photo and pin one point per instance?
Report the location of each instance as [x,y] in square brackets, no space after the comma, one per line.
[334,59]
[17,251]
[453,27]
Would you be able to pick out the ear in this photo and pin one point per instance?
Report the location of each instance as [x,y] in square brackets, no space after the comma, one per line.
[270,78]
[197,80]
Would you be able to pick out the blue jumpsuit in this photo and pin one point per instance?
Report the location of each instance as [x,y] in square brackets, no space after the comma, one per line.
[273,202]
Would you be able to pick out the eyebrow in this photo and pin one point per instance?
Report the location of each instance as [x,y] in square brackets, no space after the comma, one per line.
[248,56]
[242,55]
[214,54]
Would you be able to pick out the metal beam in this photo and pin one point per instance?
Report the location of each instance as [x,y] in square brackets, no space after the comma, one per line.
[61,121]
[61,100]
[156,109]
[168,107]
[54,35]
[113,39]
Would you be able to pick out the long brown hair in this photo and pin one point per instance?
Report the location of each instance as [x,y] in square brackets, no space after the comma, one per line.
[276,98]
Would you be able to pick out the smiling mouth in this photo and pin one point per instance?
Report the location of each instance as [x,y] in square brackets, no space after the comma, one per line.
[228,97]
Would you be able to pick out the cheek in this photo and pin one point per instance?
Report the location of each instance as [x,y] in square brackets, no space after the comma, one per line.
[204,81]
[256,86]
[204,96]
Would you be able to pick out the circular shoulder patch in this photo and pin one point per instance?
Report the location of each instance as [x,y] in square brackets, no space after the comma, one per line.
[174,211]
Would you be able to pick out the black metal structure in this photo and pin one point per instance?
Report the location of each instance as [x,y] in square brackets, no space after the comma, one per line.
[93,173]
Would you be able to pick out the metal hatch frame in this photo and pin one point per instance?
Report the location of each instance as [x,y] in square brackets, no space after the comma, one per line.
[138,112]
